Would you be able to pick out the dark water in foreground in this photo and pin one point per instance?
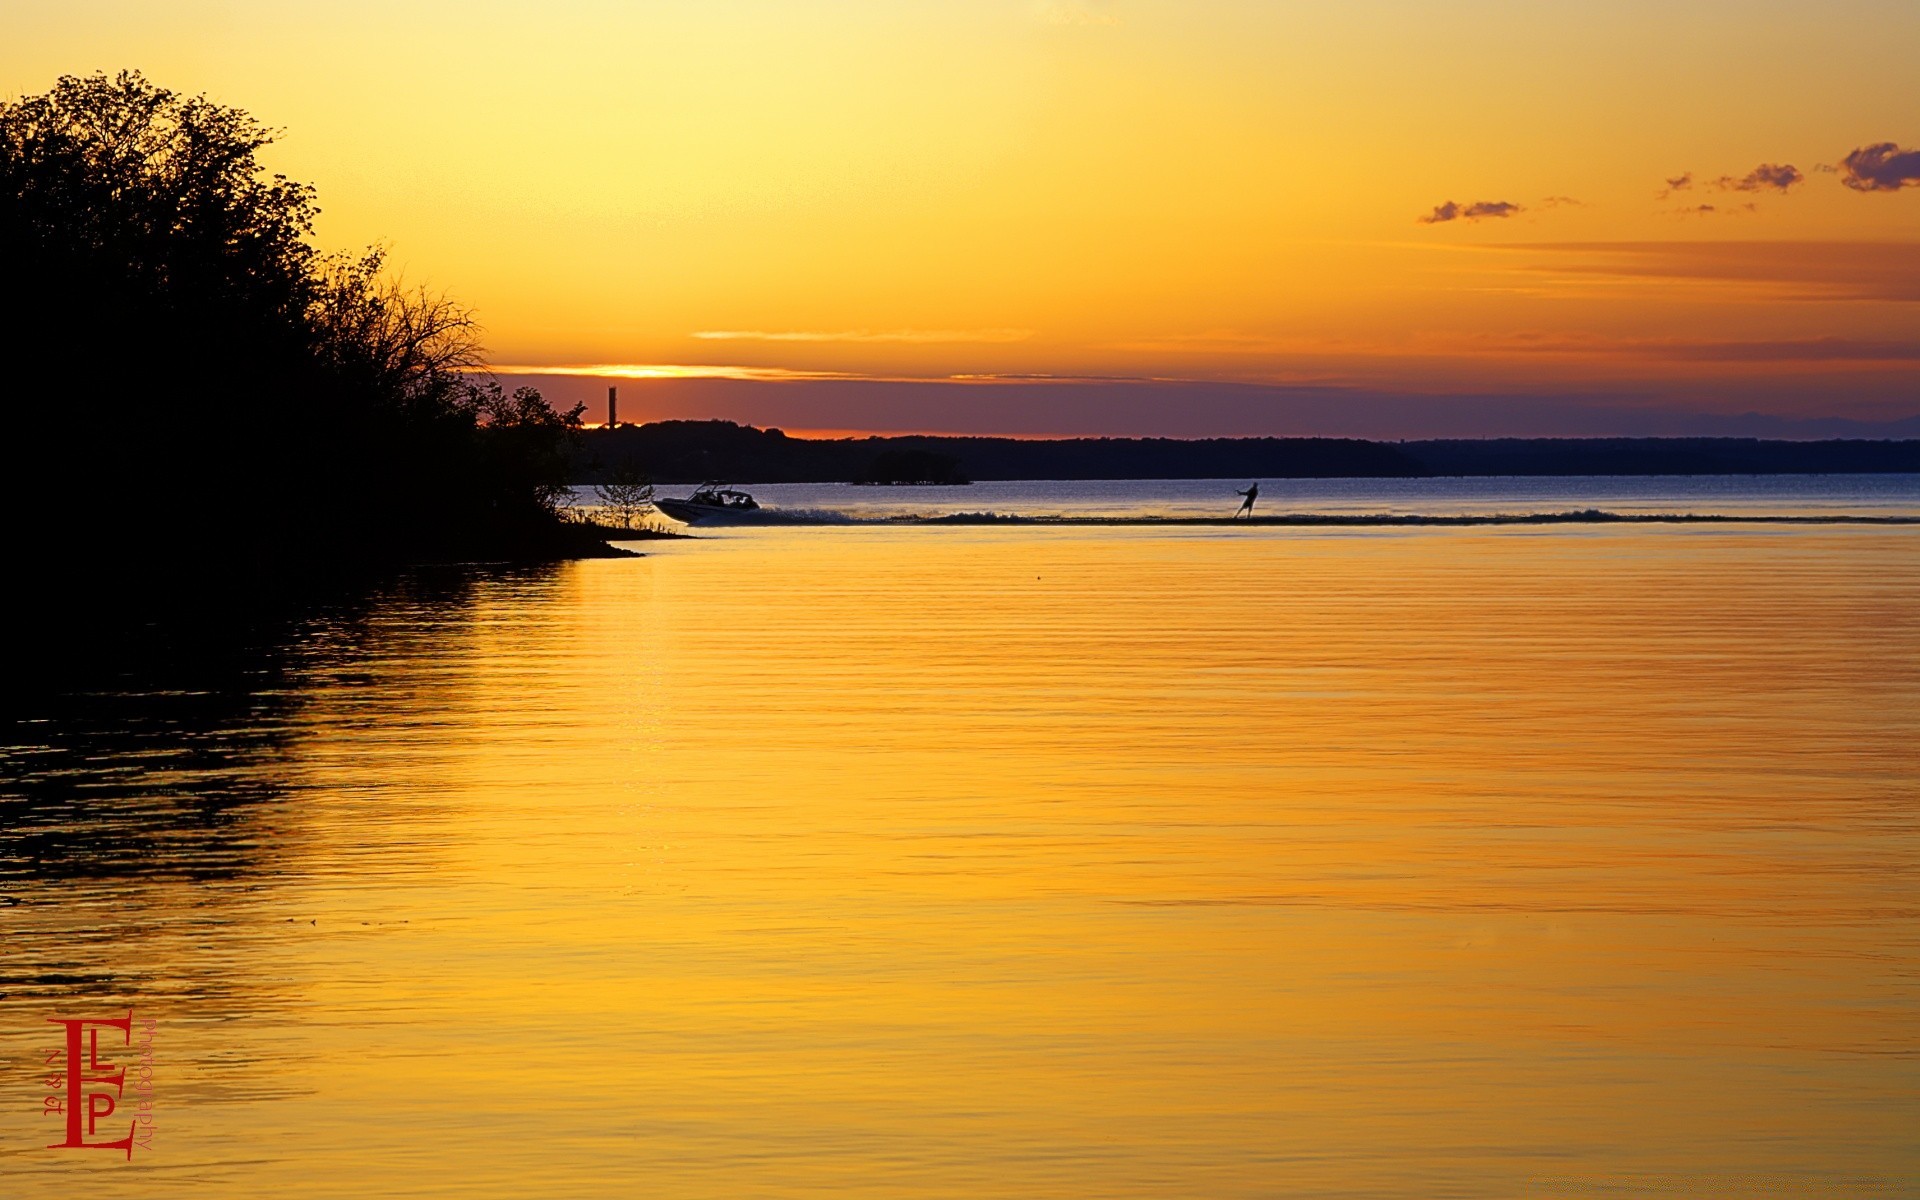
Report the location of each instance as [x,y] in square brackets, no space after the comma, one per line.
[1027,862]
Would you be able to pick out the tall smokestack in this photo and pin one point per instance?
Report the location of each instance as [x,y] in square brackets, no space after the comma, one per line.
[613,407]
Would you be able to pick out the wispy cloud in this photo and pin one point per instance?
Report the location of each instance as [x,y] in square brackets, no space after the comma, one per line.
[666,371]
[1679,183]
[1478,210]
[1834,350]
[1881,167]
[1804,270]
[909,336]
[1767,177]
[1801,350]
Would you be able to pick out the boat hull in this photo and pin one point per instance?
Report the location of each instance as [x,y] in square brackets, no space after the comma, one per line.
[689,513]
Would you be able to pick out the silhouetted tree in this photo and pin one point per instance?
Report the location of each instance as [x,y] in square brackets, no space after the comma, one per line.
[528,446]
[410,348]
[179,347]
[626,491]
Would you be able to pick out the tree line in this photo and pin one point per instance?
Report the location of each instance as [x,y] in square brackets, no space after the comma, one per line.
[198,396]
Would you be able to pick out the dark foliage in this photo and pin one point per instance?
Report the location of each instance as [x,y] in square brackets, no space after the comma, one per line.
[624,494]
[913,466]
[688,451]
[251,411]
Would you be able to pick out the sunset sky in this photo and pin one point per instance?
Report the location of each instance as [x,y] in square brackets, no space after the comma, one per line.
[1202,217]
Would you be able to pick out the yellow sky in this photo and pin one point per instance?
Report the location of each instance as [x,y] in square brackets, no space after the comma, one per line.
[1206,190]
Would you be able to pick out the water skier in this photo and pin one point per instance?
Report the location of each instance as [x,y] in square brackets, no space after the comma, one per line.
[1246,510]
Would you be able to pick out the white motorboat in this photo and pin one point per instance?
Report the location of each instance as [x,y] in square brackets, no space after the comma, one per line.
[712,504]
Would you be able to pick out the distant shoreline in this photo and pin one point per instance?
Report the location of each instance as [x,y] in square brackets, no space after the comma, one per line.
[695,451]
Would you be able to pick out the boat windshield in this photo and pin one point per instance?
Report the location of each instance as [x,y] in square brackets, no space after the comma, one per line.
[720,496]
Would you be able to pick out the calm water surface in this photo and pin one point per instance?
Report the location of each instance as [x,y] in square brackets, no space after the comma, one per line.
[959,862]
[1739,495]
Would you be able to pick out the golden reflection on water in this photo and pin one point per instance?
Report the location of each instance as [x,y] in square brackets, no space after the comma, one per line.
[963,862]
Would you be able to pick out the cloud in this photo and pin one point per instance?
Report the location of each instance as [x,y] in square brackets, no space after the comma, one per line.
[1711,210]
[1835,350]
[667,371]
[911,336]
[1881,167]
[1679,183]
[1763,178]
[1189,409]
[1563,202]
[1801,270]
[1451,211]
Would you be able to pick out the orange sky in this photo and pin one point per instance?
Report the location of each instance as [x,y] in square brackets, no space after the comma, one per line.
[1177,195]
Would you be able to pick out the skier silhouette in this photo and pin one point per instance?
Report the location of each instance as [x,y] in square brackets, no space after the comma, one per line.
[1252,493]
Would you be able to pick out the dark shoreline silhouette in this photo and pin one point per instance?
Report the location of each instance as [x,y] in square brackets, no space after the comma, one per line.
[691,451]
[206,414]
[914,467]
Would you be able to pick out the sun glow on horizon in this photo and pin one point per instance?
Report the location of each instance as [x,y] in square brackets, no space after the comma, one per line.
[1633,199]
[666,371]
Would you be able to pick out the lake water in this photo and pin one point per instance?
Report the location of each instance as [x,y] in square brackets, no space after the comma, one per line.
[898,861]
[1735,495]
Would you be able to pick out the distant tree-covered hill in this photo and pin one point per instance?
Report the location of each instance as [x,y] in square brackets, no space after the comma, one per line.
[692,451]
